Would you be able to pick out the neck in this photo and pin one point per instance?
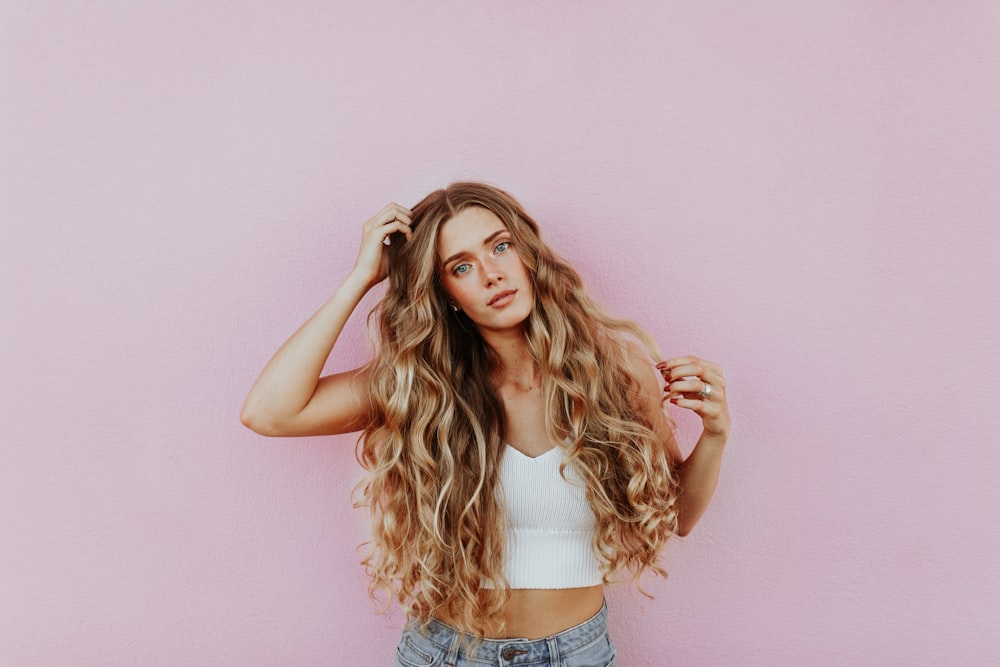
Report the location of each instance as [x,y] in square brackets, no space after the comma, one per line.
[518,369]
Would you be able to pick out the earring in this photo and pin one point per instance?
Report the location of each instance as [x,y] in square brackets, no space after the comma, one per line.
[454,308]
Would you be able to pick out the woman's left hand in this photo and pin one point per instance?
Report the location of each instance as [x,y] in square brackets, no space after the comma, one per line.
[699,386]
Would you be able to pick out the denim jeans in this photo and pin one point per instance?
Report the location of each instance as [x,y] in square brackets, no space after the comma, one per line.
[586,645]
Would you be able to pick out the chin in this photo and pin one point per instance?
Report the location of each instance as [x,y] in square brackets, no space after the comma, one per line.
[508,320]
[521,318]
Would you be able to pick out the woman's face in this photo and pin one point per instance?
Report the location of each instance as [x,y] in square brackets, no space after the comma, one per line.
[482,272]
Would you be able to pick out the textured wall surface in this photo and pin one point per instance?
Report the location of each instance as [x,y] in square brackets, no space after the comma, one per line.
[804,192]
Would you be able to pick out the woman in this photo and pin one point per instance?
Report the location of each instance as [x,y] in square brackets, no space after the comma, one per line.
[518,453]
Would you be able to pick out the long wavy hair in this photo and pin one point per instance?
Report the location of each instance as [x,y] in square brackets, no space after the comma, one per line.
[432,449]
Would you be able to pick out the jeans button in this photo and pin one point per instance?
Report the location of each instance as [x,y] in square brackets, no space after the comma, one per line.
[509,653]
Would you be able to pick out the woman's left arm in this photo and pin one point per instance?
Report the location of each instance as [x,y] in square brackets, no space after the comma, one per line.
[697,385]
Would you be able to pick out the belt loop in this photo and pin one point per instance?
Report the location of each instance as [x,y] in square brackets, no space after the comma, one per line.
[451,657]
[554,658]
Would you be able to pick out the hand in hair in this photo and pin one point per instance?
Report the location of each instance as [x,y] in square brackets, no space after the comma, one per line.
[372,265]
[688,381]
[290,398]
[699,386]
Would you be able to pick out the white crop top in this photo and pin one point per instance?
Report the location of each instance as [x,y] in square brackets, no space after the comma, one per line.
[551,531]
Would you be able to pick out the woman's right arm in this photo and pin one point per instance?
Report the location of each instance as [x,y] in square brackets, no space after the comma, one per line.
[290,398]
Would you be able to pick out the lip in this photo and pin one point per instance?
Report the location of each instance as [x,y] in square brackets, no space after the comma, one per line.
[501,299]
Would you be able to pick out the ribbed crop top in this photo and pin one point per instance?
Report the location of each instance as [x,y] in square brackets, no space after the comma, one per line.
[551,531]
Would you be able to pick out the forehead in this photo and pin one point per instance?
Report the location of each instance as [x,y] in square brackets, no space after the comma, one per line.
[466,231]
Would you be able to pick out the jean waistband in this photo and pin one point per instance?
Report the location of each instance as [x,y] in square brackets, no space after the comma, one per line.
[519,651]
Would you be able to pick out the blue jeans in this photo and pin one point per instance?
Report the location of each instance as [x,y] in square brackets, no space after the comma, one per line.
[586,645]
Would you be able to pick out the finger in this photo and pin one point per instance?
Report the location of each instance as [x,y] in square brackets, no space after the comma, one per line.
[388,214]
[403,217]
[689,361]
[676,361]
[393,226]
[698,368]
[694,396]
[693,404]
[394,221]
[401,213]
[693,389]
[687,387]
[683,371]
[400,210]
[395,208]
[704,409]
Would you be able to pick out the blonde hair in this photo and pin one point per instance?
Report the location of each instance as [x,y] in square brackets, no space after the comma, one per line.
[433,447]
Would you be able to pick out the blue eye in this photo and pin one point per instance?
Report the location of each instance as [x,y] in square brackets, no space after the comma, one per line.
[502,247]
[460,269]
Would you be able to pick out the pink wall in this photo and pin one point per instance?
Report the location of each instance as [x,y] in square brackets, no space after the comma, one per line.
[805,192]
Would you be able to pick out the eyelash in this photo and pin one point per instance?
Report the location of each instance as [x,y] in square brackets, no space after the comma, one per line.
[496,251]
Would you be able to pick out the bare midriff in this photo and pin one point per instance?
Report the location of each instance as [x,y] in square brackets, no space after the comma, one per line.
[534,613]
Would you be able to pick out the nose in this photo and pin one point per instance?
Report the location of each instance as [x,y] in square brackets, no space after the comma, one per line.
[491,272]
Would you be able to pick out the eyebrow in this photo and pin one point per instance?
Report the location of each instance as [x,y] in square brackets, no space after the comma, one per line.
[486,241]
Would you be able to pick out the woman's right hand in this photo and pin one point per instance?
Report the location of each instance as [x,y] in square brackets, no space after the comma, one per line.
[372,265]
